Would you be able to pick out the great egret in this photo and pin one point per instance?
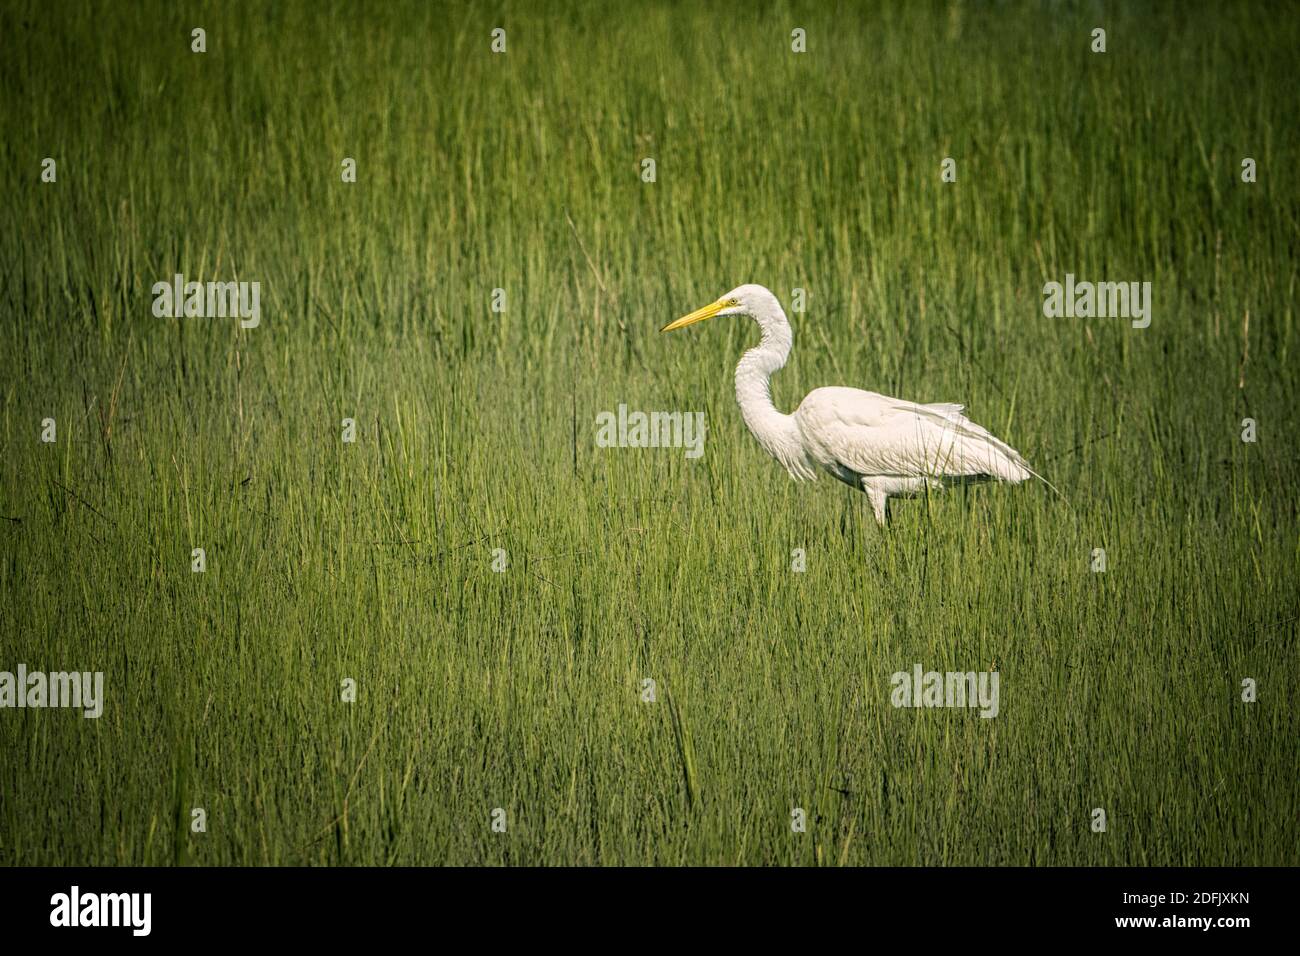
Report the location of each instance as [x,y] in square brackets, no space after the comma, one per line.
[883,446]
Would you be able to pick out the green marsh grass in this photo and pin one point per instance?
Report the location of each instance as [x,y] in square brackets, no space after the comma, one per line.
[476,431]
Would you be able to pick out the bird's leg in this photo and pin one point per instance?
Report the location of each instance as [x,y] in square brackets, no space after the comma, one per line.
[879,501]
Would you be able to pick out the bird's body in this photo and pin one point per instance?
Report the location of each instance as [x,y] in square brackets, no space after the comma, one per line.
[886,447]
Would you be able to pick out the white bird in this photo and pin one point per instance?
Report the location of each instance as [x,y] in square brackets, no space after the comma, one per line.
[883,446]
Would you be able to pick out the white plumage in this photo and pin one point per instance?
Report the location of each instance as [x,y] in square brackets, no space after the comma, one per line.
[886,447]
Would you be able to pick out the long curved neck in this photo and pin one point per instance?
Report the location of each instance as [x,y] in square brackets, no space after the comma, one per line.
[753,381]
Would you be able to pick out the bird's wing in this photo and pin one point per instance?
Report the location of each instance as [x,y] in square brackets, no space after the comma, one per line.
[873,434]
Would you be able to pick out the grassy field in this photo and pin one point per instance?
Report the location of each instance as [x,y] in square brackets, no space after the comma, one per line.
[522,689]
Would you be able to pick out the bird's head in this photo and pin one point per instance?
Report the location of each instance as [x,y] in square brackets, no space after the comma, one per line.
[749,299]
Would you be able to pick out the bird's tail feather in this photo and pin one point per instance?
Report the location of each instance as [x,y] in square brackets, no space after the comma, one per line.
[952,413]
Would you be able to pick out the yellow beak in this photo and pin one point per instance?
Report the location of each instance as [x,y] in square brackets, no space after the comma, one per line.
[699,315]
